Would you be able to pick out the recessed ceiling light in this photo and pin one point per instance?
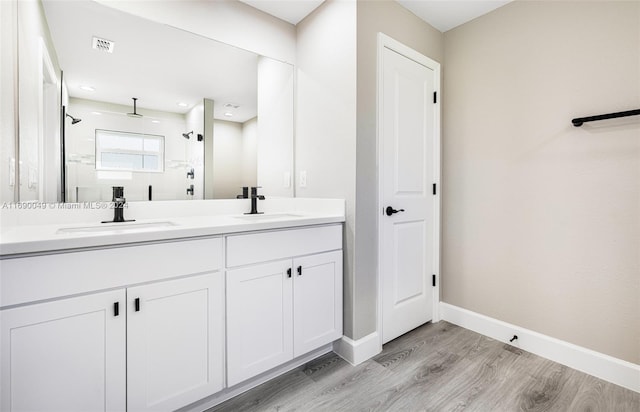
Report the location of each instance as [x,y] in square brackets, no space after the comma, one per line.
[182,104]
[88,88]
[97,113]
[155,121]
[228,114]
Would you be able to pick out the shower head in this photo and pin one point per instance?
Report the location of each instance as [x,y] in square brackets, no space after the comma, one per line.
[135,112]
[74,120]
[187,135]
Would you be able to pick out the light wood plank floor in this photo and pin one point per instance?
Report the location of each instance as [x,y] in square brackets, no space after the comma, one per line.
[437,367]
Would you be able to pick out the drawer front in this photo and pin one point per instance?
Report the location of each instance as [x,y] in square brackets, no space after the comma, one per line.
[36,278]
[279,244]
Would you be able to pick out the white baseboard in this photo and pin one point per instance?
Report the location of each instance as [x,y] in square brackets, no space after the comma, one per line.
[358,351]
[608,368]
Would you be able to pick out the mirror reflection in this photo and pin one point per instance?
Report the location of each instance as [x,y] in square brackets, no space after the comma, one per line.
[163,112]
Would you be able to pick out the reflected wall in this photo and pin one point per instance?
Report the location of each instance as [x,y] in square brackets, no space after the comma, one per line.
[259,153]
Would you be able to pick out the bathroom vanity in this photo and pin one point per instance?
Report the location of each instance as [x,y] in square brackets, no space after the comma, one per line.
[161,314]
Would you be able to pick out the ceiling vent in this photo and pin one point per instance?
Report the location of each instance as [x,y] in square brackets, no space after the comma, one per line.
[103,44]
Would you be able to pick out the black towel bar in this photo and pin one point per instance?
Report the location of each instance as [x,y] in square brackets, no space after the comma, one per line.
[577,122]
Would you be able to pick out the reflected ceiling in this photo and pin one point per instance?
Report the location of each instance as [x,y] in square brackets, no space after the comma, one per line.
[168,71]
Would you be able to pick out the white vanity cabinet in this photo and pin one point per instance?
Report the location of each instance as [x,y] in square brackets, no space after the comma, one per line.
[64,355]
[154,346]
[284,297]
[317,301]
[161,325]
[175,340]
[259,319]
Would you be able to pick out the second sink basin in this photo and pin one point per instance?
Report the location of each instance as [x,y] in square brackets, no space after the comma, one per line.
[115,227]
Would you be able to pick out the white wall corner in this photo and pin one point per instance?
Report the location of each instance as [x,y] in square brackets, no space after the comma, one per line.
[357,351]
[608,368]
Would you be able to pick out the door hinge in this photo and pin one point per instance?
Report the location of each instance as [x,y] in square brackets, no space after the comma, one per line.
[435,97]
[434,188]
[433,280]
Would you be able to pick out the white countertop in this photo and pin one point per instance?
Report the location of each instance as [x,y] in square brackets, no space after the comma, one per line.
[18,237]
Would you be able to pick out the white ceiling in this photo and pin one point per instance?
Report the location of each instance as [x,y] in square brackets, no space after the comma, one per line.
[292,11]
[441,14]
[446,14]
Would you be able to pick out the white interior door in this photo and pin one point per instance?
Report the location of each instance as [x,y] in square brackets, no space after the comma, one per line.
[408,169]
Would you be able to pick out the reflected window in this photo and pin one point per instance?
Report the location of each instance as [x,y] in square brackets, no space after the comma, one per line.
[134,152]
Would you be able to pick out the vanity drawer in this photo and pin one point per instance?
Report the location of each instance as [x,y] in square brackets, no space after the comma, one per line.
[35,278]
[279,244]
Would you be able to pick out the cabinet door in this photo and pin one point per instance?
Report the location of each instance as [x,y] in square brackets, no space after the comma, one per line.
[317,297]
[64,355]
[259,319]
[175,341]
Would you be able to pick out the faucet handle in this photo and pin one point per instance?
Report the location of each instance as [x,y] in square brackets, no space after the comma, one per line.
[245,193]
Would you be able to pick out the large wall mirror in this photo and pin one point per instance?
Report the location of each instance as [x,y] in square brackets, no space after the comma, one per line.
[163,112]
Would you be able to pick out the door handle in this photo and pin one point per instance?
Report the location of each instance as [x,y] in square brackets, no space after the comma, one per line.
[299,270]
[389,210]
[136,304]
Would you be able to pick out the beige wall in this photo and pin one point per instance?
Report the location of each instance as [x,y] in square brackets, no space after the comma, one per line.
[393,20]
[227,159]
[249,152]
[541,220]
[325,145]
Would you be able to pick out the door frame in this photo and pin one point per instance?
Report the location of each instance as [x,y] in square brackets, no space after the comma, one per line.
[385,41]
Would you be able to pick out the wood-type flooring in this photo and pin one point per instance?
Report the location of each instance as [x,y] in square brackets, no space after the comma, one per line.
[437,367]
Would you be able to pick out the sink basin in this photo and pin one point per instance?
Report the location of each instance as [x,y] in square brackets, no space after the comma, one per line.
[115,227]
[267,216]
